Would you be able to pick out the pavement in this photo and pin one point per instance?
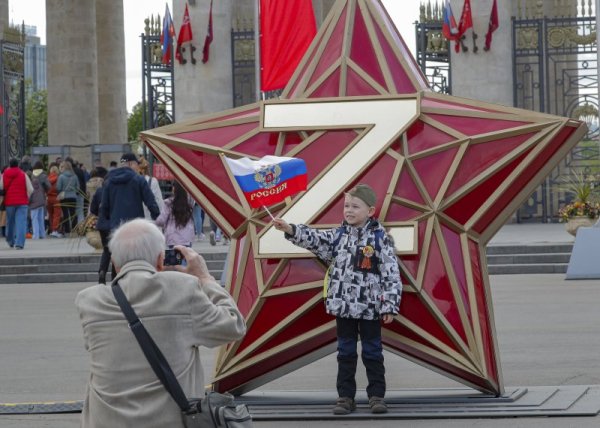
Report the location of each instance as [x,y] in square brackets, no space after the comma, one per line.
[507,235]
[548,333]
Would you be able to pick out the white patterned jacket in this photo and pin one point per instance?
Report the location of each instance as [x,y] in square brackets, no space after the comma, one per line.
[360,287]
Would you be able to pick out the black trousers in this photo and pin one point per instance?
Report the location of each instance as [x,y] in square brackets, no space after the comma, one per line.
[105,258]
[348,331]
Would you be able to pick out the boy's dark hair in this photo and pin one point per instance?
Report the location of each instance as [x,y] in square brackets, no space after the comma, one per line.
[13,162]
[38,165]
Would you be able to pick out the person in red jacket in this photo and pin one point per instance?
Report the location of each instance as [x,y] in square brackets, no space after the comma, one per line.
[16,187]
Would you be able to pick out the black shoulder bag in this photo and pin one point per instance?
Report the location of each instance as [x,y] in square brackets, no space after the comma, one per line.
[214,410]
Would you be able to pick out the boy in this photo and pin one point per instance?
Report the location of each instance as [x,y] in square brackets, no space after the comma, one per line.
[364,287]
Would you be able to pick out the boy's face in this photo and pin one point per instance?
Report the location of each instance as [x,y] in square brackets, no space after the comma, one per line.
[356,211]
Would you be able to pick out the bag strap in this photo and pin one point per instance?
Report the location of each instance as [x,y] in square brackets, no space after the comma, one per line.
[151,350]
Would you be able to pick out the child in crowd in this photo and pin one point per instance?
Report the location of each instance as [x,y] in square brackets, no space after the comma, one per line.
[363,289]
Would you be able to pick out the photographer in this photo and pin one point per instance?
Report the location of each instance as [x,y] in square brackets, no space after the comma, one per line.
[182,308]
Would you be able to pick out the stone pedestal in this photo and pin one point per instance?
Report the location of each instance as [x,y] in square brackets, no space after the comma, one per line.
[485,76]
[204,88]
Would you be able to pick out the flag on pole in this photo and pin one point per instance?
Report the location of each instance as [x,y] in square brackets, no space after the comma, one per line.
[287,28]
[465,22]
[209,37]
[270,179]
[492,26]
[185,34]
[449,28]
[166,36]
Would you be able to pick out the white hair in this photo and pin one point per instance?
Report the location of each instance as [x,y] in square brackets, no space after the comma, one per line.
[137,239]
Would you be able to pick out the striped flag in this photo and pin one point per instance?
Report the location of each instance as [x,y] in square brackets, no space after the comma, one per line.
[270,179]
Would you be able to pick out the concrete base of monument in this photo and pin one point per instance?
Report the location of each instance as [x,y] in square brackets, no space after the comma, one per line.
[444,403]
[454,403]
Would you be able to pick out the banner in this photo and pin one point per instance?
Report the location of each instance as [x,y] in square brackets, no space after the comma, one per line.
[492,26]
[466,22]
[270,179]
[209,37]
[185,34]
[287,28]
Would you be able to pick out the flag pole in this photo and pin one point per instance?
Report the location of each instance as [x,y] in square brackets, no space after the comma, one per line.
[257,48]
[269,212]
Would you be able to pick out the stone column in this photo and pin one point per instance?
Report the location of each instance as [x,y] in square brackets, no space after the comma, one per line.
[204,88]
[3,15]
[72,76]
[112,104]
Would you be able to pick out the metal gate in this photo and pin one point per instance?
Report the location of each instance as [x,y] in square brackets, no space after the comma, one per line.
[555,71]
[12,99]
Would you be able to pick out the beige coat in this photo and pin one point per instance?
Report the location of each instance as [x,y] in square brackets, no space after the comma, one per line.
[180,314]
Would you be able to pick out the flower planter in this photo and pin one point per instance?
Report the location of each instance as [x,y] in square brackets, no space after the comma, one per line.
[93,238]
[575,223]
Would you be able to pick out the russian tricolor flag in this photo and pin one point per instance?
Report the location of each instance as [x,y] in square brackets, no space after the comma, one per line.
[270,179]
[449,27]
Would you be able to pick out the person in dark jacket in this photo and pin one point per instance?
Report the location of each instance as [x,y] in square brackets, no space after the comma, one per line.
[124,195]
[103,227]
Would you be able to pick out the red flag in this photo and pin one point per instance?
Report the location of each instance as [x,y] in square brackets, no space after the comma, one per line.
[466,22]
[209,37]
[492,26]
[185,34]
[287,28]
[166,36]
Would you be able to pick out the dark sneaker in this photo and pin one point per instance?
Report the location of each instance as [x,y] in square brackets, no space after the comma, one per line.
[377,405]
[344,406]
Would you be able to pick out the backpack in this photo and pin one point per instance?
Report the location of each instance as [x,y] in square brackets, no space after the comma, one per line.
[379,234]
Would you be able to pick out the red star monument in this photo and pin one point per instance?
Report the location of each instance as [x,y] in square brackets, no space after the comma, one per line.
[449,172]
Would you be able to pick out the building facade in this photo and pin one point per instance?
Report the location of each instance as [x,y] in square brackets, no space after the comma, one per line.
[35,60]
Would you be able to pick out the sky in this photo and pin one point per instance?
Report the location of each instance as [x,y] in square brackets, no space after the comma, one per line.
[403,12]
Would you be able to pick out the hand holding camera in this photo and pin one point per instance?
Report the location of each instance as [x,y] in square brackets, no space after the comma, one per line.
[173,257]
[195,263]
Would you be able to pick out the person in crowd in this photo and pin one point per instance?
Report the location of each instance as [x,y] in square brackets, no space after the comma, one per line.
[2,208]
[198,214]
[37,200]
[363,290]
[94,183]
[79,196]
[53,204]
[124,194]
[176,219]
[112,165]
[154,186]
[216,235]
[17,188]
[67,187]
[25,165]
[102,224]
[183,309]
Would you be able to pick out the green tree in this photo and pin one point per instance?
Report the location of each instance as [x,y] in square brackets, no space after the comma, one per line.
[134,124]
[36,119]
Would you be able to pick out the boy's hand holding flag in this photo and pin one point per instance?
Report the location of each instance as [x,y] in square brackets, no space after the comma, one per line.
[270,179]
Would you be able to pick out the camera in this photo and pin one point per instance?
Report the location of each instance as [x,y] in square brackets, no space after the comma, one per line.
[173,257]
